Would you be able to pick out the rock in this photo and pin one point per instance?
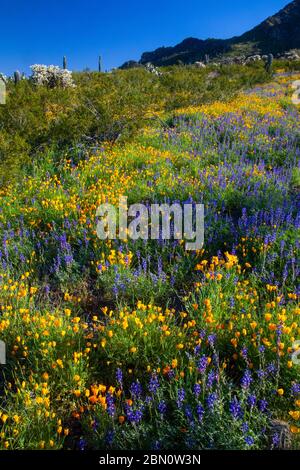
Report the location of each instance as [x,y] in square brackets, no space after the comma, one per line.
[200,65]
[253,58]
[150,68]
[289,55]
[212,75]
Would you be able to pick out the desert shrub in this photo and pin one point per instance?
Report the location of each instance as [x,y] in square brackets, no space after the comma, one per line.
[102,107]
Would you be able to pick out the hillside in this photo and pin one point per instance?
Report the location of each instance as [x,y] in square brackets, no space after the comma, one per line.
[277,34]
[141,344]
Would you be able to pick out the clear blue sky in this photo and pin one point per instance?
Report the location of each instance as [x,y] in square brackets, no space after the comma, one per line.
[41,31]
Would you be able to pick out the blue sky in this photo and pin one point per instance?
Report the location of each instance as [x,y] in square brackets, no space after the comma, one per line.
[39,31]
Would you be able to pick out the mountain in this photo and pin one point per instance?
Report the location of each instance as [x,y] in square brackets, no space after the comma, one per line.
[277,34]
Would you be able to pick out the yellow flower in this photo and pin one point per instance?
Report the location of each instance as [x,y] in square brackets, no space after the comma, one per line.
[295,415]
[59,362]
[133,349]
[4,418]
[280,391]
[16,419]
[179,346]
[295,430]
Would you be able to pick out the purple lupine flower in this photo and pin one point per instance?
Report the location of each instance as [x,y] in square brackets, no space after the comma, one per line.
[68,259]
[119,377]
[261,374]
[134,415]
[244,352]
[197,390]
[251,400]
[153,383]
[81,444]
[246,379]
[171,374]
[148,399]
[276,440]
[271,368]
[244,427]
[235,408]
[200,412]
[136,389]
[188,412]
[211,377]
[180,397]
[279,332]
[249,441]
[111,409]
[202,364]
[295,389]
[211,400]
[162,407]
[202,334]
[262,405]
[211,340]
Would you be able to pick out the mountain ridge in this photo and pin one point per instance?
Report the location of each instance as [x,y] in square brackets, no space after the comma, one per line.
[276,34]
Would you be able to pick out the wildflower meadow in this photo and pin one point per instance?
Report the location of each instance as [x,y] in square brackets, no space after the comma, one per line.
[142,344]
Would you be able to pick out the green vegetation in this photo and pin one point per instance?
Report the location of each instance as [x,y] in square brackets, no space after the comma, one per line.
[136,344]
[104,107]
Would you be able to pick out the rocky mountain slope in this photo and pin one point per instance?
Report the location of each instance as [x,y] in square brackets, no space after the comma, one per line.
[277,34]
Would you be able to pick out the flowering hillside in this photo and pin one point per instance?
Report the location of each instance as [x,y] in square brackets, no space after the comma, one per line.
[144,345]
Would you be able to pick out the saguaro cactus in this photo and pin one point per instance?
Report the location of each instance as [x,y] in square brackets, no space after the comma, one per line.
[64,62]
[17,77]
[269,63]
[206,59]
[99,63]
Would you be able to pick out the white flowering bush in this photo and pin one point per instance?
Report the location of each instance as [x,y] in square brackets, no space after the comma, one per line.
[51,76]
